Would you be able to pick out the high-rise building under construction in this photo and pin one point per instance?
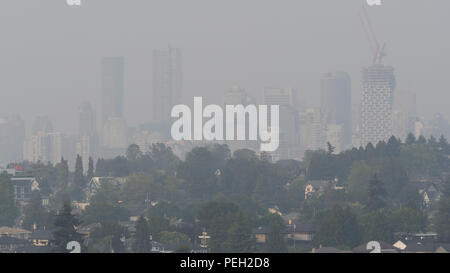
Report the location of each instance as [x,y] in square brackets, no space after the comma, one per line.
[378,84]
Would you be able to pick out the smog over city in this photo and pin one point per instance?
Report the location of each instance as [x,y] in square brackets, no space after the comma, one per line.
[238,126]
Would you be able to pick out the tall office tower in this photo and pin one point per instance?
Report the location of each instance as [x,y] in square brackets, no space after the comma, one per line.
[334,137]
[312,131]
[88,142]
[378,83]
[356,117]
[437,126]
[113,127]
[167,83]
[87,121]
[42,124]
[280,96]
[405,113]
[12,136]
[112,87]
[44,147]
[336,102]
[289,133]
[236,95]
[115,135]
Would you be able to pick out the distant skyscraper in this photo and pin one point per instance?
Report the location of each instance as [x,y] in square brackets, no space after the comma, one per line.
[112,87]
[236,95]
[405,114]
[12,136]
[334,137]
[167,82]
[42,124]
[336,103]
[312,131]
[44,147]
[113,127]
[87,120]
[88,142]
[378,83]
[114,133]
[289,127]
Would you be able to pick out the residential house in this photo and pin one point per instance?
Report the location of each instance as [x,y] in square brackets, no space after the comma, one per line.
[318,187]
[15,232]
[41,238]
[23,187]
[95,183]
[11,244]
[430,193]
[302,232]
[260,234]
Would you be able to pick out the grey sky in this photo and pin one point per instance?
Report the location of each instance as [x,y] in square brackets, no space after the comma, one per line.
[50,53]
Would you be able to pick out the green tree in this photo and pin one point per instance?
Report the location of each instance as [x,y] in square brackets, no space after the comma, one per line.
[157,224]
[330,148]
[378,227]
[62,177]
[217,217]
[358,180]
[174,238]
[111,233]
[142,237]
[79,181]
[66,224]
[240,237]
[105,206]
[133,152]
[442,219]
[35,213]
[275,242]
[90,171]
[198,171]
[164,158]
[377,194]
[410,139]
[100,168]
[338,227]
[8,210]
[406,219]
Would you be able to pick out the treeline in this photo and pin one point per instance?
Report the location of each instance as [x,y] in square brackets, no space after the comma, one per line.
[229,194]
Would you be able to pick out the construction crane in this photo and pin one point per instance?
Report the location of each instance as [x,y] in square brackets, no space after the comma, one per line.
[379,52]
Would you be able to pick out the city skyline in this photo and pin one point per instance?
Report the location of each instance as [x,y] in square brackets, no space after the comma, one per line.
[238,53]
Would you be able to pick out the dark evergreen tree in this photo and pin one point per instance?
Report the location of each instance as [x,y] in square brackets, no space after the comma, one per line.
[79,181]
[377,194]
[90,171]
[66,224]
[142,236]
[275,242]
[133,152]
[410,139]
[62,169]
[338,227]
[8,210]
[378,227]
[35,213]
[442,219]
[101,168]
[330,148]
[240,237]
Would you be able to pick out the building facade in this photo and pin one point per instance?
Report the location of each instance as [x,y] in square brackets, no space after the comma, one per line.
[378,84]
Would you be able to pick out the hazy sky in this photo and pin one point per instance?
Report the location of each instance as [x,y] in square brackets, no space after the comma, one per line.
[50,53]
